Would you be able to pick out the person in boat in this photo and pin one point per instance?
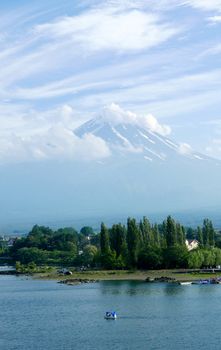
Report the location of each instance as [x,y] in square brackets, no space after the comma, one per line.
[110,314]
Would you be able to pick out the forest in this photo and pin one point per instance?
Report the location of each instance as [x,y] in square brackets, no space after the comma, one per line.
[136,245]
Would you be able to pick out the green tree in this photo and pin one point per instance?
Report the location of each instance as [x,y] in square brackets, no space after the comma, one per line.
[118,239]
[104,240]
[146,232]
[176,257]
[87,231]
[208,233]
[211,234]
[132,241]
[208,257]
[109,260]
[171,235]
[195,259]
[89,254]
[200,236]
[156,236]
[27,255]
[181,237]
[18,267]
[150,258]
[205,231]
[39,237]
[65,239]
[190,233]
[217,253]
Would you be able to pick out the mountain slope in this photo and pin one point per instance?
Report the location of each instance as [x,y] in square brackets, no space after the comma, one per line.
[133,139]
[147,171]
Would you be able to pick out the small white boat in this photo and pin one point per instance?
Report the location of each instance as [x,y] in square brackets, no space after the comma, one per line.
[185,283]
[110,315]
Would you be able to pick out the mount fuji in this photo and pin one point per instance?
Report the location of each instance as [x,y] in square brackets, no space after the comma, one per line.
[128,134]
[133,168]
[146,171]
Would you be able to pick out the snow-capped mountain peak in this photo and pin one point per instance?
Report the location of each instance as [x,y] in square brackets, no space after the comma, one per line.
[124,131]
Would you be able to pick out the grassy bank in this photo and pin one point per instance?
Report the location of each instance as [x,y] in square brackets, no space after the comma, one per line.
[179,275]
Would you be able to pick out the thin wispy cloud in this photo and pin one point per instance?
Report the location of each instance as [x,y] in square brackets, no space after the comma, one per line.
[109,29]
[214,19]
[205,5]
[148,56]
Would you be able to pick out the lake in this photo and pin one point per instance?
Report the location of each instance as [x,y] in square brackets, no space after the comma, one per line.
[40,315]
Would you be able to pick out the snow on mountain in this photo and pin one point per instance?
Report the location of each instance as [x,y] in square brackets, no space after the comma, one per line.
[146,170]
[125,132]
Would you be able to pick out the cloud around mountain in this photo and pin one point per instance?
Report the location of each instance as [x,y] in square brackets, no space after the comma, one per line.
[57,143]
[116,115]
[55,137]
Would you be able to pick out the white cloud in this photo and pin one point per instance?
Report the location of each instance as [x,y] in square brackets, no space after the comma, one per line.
[100,55]
[33,135]
[55,143]
[214,19]
[152,123]
[213,50]
[166,98]
[23,120]
[37,57]
[114,114]
[166,5]
[205,5]
[110,29]
[185,149]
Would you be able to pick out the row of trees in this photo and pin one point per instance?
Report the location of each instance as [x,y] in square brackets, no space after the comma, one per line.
[134,245]
[142,245]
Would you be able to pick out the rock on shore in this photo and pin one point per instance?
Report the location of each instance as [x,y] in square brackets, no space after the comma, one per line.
[75,281]
[160,279]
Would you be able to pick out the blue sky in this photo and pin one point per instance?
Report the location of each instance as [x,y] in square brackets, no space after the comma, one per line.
[62,62]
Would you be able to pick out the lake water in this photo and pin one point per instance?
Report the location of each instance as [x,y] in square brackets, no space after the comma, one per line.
[45,315]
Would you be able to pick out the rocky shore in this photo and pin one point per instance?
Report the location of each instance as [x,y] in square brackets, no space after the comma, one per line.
[161,279]
[76,281]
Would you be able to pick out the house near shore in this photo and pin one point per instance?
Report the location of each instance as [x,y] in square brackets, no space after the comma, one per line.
[191,244]
[8,241]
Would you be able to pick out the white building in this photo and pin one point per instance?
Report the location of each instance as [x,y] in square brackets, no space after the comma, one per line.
[191,244]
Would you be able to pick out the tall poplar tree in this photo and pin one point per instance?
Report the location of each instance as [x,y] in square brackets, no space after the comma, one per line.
[180,233]
[200,236]
[211,234]
[171,236]
[156,235]
[118,238]
[132,241]
[104,240]
[206,233]
[147,232]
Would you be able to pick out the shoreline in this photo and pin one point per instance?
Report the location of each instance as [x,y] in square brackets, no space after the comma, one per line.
[117,275]
[173,275]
